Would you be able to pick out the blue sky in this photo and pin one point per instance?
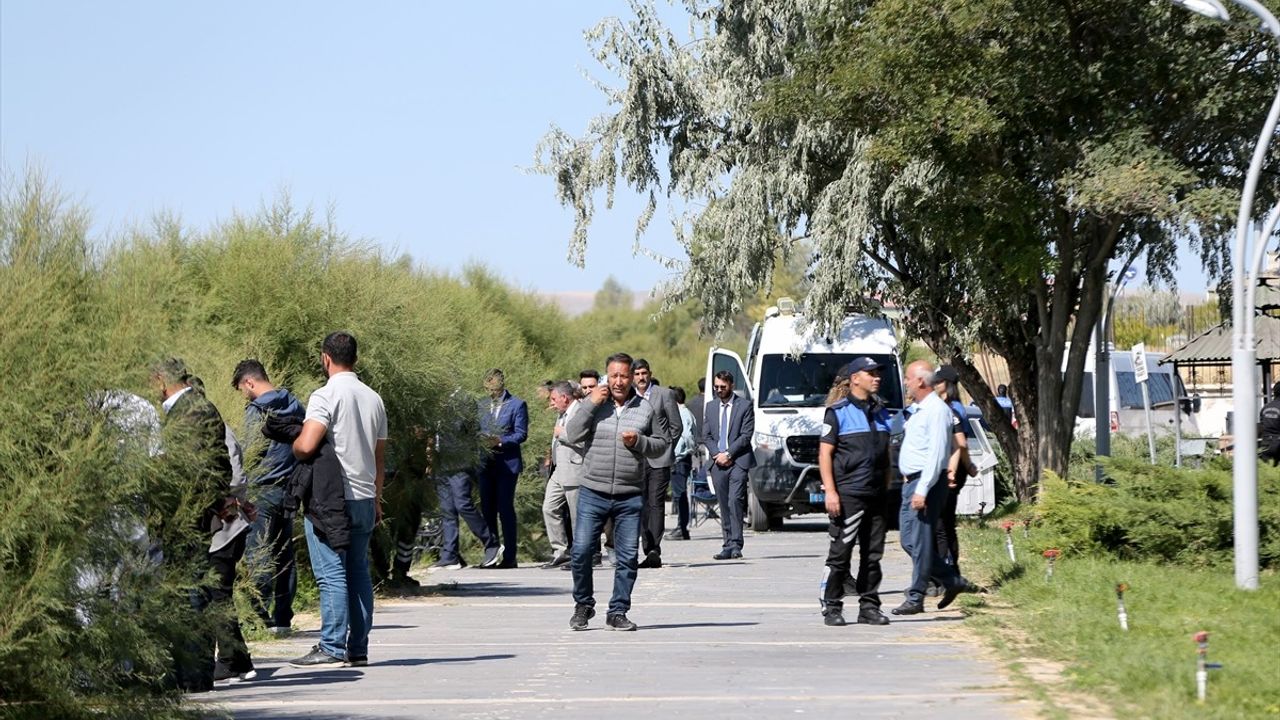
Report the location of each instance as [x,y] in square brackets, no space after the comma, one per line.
[413,118]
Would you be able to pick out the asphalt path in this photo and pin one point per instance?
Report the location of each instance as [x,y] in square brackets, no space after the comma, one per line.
[717,639]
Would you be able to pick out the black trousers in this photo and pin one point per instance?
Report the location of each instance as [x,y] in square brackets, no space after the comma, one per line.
[731,491]
[680,491]
[946,540]
[861,522]
[195,664]
[653,516]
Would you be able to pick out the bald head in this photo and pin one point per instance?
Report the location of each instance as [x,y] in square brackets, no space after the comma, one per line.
[919,379]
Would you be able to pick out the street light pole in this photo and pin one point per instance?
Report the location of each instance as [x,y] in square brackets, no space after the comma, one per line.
[1244,394]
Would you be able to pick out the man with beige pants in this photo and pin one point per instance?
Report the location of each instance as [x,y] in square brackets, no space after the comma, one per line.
[562,486]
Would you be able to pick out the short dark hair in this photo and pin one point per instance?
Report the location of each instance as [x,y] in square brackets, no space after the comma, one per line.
[619,358]
[340,346]
[495,373]
[640,364]
[678,392]
[589,373]
[248,368]
[171,371]
[1003,390]
[702,385]
[725,375]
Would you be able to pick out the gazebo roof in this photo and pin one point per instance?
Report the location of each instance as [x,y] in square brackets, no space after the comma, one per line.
[1213,347]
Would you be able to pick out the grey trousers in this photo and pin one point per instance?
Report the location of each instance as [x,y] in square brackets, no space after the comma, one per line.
[557,501]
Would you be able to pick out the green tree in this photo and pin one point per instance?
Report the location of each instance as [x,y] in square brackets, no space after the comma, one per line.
[976,162]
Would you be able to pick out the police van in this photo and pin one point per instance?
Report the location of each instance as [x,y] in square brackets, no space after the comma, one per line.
[786,377]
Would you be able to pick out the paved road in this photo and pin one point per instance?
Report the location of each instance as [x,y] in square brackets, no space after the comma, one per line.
[716,639]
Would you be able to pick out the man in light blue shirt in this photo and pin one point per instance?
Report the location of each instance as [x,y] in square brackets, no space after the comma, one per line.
[922,460]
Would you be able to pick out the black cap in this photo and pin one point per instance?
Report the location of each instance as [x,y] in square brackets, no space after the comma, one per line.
[945,373]
[862,364]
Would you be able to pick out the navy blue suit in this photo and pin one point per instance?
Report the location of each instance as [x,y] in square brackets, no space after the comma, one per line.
[500,470]
[730,482]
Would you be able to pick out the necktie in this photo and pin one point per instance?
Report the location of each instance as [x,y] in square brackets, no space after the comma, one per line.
[724,427]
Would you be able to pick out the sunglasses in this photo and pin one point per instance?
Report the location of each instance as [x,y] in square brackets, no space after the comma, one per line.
[720,387]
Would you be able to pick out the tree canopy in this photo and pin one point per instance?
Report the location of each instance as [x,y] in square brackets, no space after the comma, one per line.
[976,162]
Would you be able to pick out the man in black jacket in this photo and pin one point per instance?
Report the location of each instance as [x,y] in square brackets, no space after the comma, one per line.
[194,435]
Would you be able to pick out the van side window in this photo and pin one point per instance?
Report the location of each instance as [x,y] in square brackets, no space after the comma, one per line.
[1159,385]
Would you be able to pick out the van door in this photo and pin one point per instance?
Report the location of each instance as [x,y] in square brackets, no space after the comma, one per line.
[721,359]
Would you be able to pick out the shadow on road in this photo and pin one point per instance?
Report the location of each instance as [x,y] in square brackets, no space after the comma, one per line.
[682,626]
[411,662]
[504,589]
[270,677]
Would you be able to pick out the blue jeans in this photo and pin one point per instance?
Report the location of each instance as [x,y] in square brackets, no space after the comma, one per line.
[594,508]
[270,552]
[917,529]
[346,590]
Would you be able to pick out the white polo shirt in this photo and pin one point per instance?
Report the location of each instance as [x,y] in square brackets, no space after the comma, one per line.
[355,420]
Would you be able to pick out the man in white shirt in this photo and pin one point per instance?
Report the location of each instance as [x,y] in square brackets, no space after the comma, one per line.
[922,460]
[349,415]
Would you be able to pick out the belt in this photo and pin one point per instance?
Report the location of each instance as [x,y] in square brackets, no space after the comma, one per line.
[911,476]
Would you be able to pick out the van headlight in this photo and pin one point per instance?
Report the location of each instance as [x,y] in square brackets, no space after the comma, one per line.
[765,441]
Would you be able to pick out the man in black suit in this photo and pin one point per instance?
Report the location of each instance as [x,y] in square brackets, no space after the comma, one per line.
[658,469]
[729,425]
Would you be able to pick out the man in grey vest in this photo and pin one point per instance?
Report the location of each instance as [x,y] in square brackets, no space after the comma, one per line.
[618,432]
[666,414]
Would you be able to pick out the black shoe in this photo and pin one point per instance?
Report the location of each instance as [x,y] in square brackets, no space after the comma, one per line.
[949,596]
[224,672]
[652,560]
[357,661]
[737,554]
[677,534]
[597,560]
[908,608]
[506,565]
[316,658]
[723,555]
[492,562]
[581,614]
[559,560]
[620,622]
[872,616]
[834,618]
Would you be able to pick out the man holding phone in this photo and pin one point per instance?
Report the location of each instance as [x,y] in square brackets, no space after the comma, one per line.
[618,431]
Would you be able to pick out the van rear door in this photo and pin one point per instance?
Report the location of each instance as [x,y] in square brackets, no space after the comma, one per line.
[723,359]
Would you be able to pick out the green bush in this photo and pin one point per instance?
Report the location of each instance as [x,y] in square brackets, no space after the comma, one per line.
[1157,512]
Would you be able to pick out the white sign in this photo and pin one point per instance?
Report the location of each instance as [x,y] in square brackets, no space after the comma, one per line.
[1139,362]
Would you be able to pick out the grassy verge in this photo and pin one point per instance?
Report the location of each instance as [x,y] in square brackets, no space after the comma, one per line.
[1148,671]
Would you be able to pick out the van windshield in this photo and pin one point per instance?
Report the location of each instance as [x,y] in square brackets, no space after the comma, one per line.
[786,381]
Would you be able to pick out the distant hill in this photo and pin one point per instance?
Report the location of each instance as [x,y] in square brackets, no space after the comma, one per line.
[577,302]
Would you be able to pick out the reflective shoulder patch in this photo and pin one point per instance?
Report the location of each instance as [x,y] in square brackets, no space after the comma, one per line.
[826,430]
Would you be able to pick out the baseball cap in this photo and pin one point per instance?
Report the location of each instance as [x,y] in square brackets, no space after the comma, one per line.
[862,364]
[945,373]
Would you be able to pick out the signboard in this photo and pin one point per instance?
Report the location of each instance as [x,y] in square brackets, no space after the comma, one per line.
[1139,362]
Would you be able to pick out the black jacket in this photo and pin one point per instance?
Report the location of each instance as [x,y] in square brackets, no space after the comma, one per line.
[316,485]
[194,434]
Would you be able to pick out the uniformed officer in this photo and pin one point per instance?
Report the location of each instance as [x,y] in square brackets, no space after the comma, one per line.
[1269,428]
[853,461]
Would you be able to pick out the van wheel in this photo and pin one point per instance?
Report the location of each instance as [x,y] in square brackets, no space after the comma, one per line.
[756,513]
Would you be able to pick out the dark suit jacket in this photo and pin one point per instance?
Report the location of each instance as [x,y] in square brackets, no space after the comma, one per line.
[742,425]
[195,436]
[511,427]
[666,413]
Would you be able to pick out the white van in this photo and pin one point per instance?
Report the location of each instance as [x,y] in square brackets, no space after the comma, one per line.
[1127,415]
[786,377]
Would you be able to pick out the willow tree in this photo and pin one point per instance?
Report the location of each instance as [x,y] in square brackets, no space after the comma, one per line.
[979,163]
